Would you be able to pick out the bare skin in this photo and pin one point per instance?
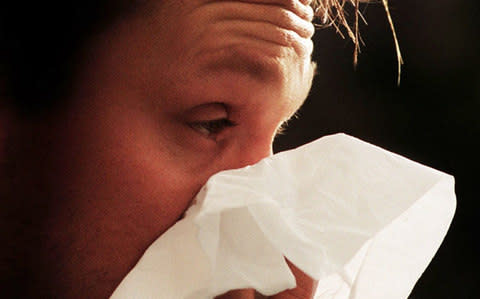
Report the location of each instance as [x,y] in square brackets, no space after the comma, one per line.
[165,99]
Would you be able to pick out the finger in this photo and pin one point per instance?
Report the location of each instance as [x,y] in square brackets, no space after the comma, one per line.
[300,8]
[305,288]
[238,294]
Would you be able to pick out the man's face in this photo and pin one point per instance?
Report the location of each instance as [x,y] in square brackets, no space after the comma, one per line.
[178,92]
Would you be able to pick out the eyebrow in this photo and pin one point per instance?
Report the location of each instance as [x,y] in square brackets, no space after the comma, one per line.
[283,126]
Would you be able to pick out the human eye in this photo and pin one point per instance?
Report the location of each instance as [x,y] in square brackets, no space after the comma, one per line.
[211,128]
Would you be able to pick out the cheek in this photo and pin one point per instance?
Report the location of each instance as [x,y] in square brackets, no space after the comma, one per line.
[155,172]
[157,189]
[121,164]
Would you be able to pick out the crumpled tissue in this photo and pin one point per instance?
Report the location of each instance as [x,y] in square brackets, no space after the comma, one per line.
[363,221]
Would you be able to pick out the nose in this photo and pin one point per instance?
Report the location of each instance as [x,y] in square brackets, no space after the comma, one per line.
[247,151]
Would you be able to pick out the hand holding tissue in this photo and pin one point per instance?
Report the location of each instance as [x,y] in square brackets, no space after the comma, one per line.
[362,221]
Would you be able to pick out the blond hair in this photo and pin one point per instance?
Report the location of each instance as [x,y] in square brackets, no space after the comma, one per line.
[332,13]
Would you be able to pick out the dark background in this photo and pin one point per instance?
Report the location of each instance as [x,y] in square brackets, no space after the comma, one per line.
[432,118]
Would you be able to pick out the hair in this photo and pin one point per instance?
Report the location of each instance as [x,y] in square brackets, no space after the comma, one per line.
[40,41]
[333,13]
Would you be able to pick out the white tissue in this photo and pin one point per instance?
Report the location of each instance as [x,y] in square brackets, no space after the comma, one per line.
[363,221]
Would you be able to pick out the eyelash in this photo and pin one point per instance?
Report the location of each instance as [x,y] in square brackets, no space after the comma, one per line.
[211,128]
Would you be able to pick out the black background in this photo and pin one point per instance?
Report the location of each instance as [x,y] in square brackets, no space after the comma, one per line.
[432,118]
